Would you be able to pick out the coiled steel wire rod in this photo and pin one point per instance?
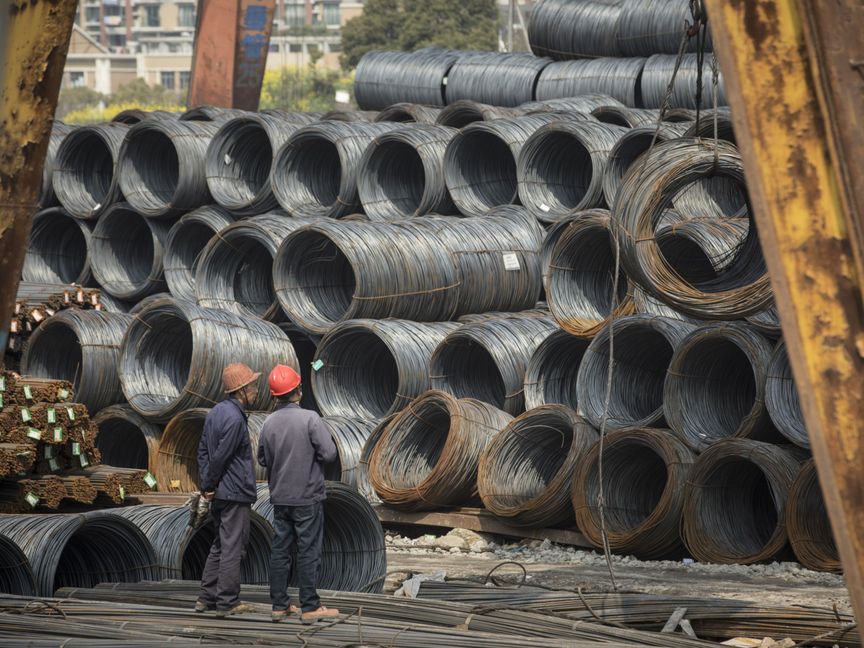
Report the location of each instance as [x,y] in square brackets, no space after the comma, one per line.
[372,368]
[550,376]
[645,481]
[239,160]
[16,576]
[181,551]
[162,166]
[81,346]
[460,113]
[353,554]
[767,321]
[132,116]
[500,79]
[350,116]
[560,167]
[646,27]
[126,252]
[564,29]
[808,525]
[736,500]
[626,117]
[427,457]
[87,171]
[742,288]
[585,104]
[580,277]
[47,197]
[700,249]
[715,385]
[364,484]
[655,80]
[525,473]
[235,268]
[705,126]
[305,347]
[149,299]
[315,172]
[126,439]
[211,114]
[113,305]
[174,353]
[58,249]
[177,455]
[781,398]
[81,550]
[646,304]
[385,78]
[617,77]
[487,360]
[554,232]
[186,240]
[349,435]
[401,173]
[643,348]
[409,112]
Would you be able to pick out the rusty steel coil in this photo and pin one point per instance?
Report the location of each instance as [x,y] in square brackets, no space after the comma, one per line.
[782,400]
[617,77]
[552,370]
[525,473]
[126,439]
[409,113]
[460,113]
[808,525]
[700,249]
[58,250]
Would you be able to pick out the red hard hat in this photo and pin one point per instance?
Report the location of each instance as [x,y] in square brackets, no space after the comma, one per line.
[283,379]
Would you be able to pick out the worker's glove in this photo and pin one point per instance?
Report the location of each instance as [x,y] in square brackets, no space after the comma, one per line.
[199,509]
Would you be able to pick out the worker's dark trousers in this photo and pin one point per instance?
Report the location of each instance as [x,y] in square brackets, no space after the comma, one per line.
[303,525]
[220,584]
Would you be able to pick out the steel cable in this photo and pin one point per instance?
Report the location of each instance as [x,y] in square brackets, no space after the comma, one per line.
[353,554]
[349,435]
[16,575]
[499,79]
[186,240]
[563,29]
[735,502]
[401,173]
[47,197]
[126,439]
[646,474]
[427,457]
[87,169]
[647,27]
[459,114]
[655,80]
[174,352]
[372,368]
[385,78]
[81,346]
[315,171]
[162,166]
[781,398]
[525,473]
[617,77]
[643,348]
[58,249]
[808,525]
[487,360]
[126,251]
[409,112]
[550,376]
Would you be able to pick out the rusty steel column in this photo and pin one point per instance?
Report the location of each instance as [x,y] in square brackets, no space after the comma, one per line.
[34,39]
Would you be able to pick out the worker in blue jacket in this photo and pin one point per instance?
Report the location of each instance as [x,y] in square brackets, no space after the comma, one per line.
[227,478]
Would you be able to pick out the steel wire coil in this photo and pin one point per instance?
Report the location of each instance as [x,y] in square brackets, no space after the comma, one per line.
[428,455]
[550,377]
[126,439]
[292,117]
[371,368]
[499,79]
[767,322]
[646,304]
[239,160]
[525,473]
[181,551]
[186,240]
[554,232]
[113,305]
[480,166]
[617,77]
[81,550]
[349,435]
[781,398]
[149,299]
[364,484]
[87,169]
[563,29]
[385,78]
[162,166]
[645,474]
[715,385]
[401,173]
[647,27]
[626,117]
[735,503]
[58,249]
[643,348]
[409,112]
[126,252]
[459,114]
[353,554]
[641,203]
[808,525]
[174,352]
[585,104]
[700,249]
[581,275]
[488,360]
[315,171]
[705,126]
[132,116]
[81,346]
[47,197]
[350,116]
[235,268]
[16,575]
[561,167]
[305,347]
[211,114]
[658,71]
[177,454]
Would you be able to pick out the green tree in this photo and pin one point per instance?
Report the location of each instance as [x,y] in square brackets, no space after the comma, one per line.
[74,99]
[139,93]
[309,88]
[378,27]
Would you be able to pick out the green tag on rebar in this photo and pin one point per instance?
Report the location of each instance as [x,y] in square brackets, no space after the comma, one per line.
[76,449]
[58,434]
[1,401]
[52,415]
[70,412]
[26,416]
[53,464]
[62,394]
[150,480]
[33,433]
[28,393]
[2,383]
[32,500]
[317,364]
[48,451]
[122,493]
[84,462]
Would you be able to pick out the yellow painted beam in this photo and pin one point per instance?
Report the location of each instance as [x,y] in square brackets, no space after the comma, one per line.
[805,230]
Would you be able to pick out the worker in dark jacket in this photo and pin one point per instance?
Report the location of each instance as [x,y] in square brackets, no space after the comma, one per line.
[293,445]
[227,478]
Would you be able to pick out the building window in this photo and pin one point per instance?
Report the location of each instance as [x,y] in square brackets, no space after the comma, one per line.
[92,14]
[295,48]
[76,79]
[167,80]
[184,80]
[331,13]
[151,16]
[274,48]
[186,14]
[295,16]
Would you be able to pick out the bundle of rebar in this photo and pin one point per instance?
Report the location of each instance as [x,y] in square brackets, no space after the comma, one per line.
[58,249]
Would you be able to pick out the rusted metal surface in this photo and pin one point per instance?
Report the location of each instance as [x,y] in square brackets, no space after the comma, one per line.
[232,38]
[34,38]
[808,232]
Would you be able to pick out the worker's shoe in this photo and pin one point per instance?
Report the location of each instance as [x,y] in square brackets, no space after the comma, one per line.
[321,614]
[280,615]
[240,608]
[201,607]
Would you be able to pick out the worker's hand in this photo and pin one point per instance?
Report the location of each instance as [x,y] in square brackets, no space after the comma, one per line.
[209,496]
